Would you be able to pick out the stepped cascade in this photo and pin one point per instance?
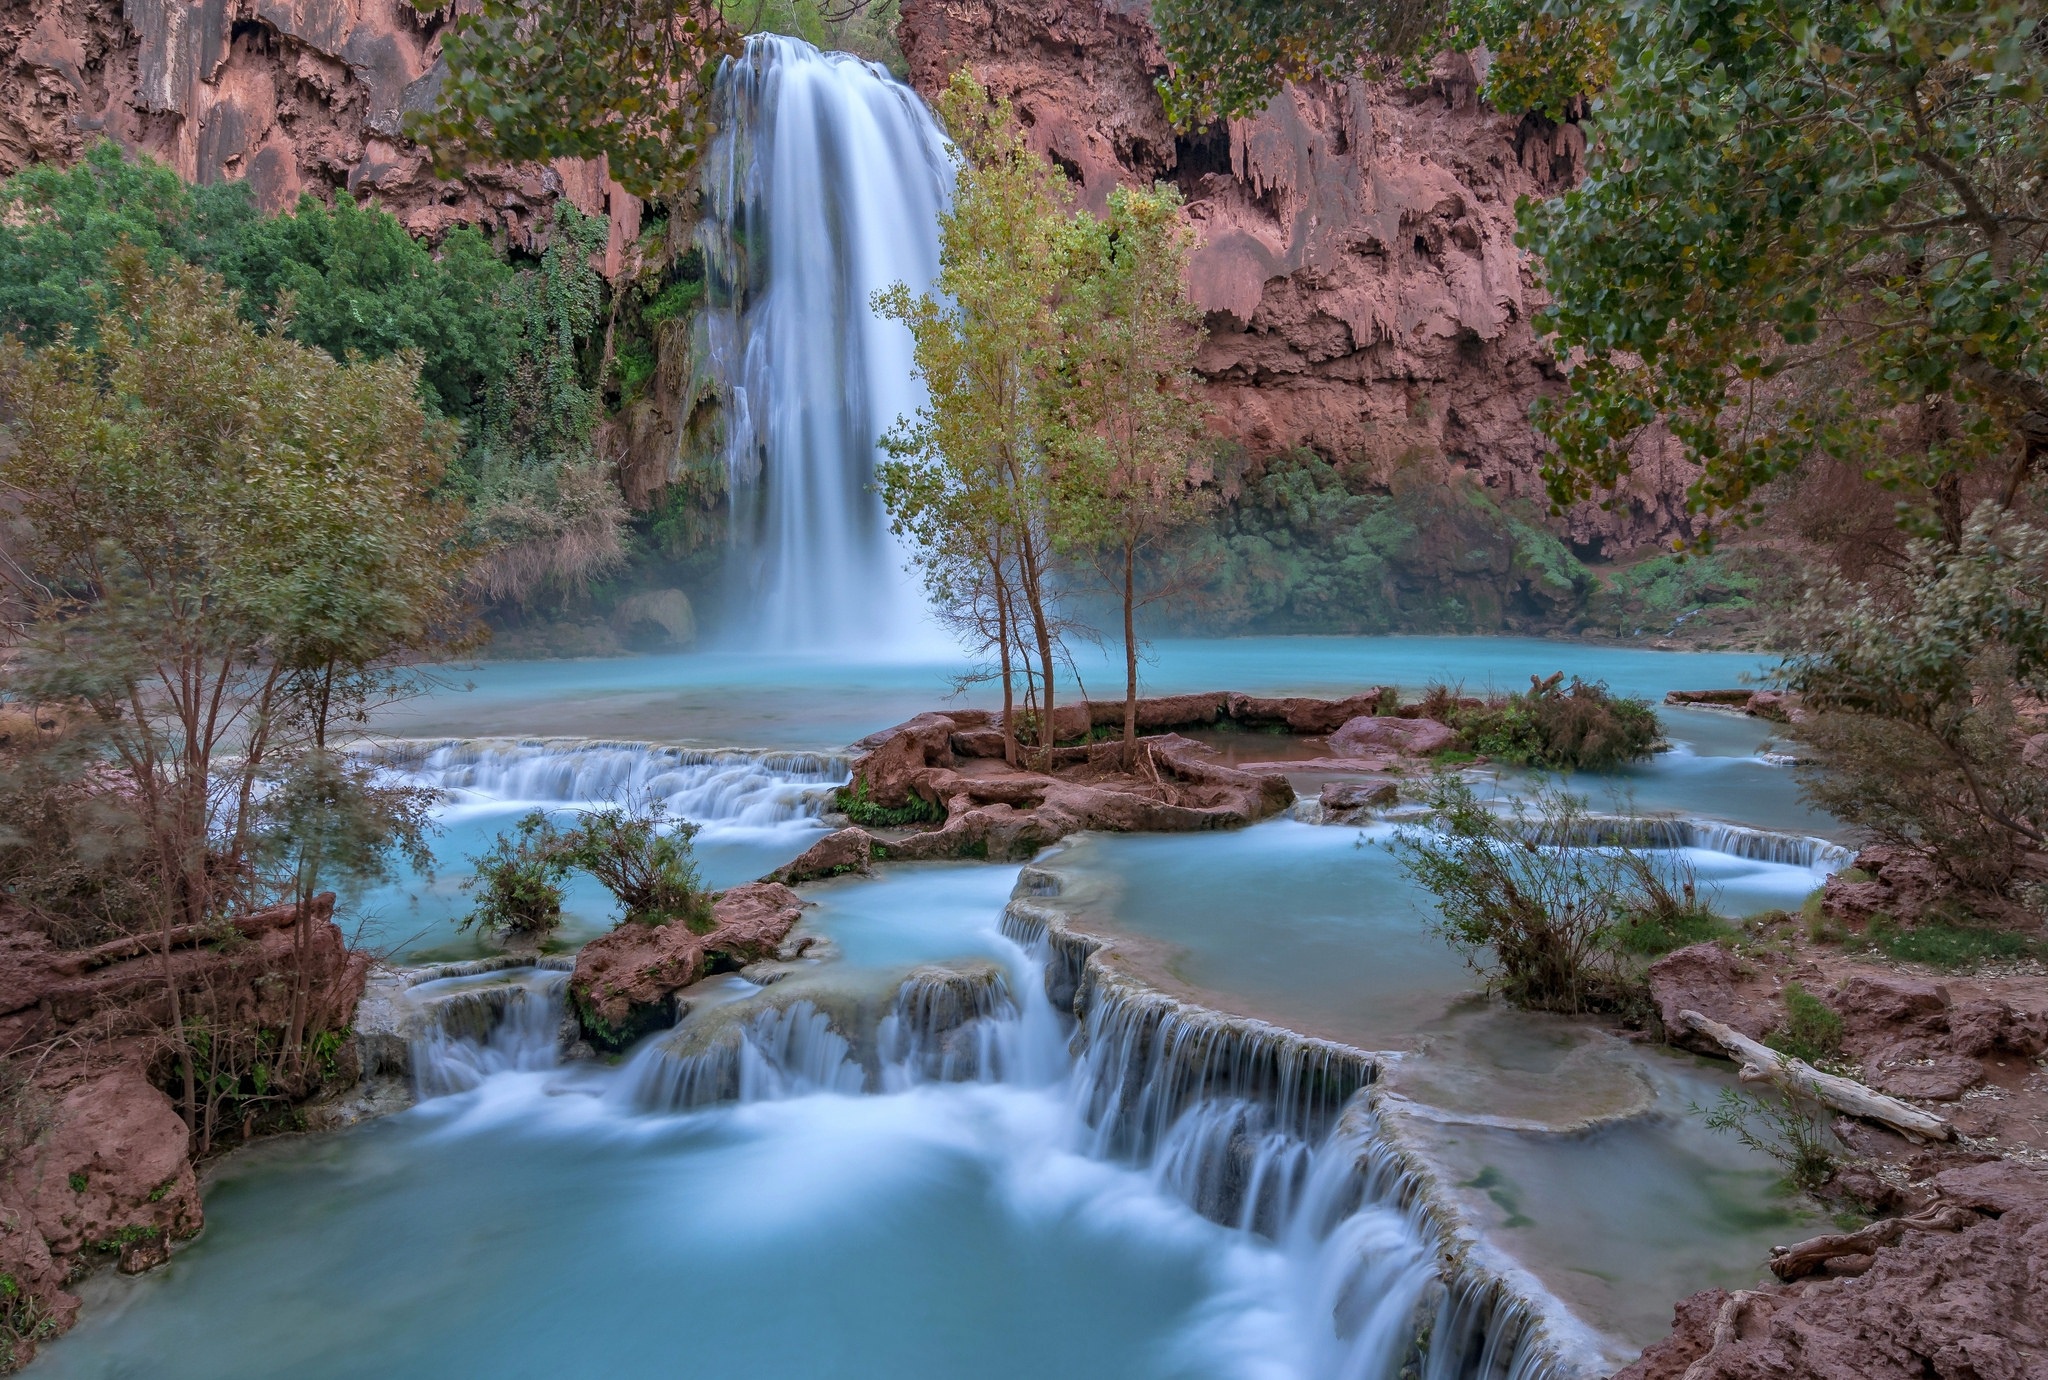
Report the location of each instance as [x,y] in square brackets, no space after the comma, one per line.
[824,188]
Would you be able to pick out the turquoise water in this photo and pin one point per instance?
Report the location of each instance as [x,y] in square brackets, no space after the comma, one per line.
[730,699]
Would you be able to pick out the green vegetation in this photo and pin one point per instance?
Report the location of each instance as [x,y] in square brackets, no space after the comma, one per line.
[222,541]
[1811,1032]
[1791,1132]
[853,802]
[78,1182]
[1950,947]
[1580,727]
[1292,548]
[1553,926]
[642,856]
[518,881]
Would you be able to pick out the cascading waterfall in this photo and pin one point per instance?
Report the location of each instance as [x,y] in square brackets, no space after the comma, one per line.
[512,1025]
[1712,836]
[715,786]
[824,188]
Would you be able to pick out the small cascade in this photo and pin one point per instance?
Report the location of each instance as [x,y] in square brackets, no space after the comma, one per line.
[823,189]
[773,1052]
[1147,1059]
[1668,832]
[949,1025]
[474,1031]
[715,786]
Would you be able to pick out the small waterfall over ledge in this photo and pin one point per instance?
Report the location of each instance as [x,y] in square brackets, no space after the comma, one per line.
[714,786]
[824,188]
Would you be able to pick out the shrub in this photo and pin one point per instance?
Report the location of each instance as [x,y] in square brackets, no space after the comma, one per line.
[518,881]
[1949,946]
[1580,727]
[1797,1138]
[645,860]
[854,802]
[1811,1032]
[1537,919]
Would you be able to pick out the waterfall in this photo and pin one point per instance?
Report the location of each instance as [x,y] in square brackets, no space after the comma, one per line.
[474,1031]
[824,188]
[711,786]
[1712,836]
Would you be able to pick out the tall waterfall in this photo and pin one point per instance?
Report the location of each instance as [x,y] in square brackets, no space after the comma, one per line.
[824,188]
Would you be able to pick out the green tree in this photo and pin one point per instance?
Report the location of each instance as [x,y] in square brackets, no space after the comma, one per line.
[518,881]
[58,227]
[969,481]
[1809,229]
[1134,425]
[221,541]
[623,80]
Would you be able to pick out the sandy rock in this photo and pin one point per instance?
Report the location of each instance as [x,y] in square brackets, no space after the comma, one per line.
[1967,1305]
[1300,714]
[1350,803]
[1710,980]
[625,982]
[1994,1186]
[1727,699]
[837,854]
[1983,1028]
[656,618]
[1917,1069]
[1370,736]
[1779,706]
[1872,1003]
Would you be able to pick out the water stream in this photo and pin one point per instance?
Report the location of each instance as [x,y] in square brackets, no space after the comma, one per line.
[824,188]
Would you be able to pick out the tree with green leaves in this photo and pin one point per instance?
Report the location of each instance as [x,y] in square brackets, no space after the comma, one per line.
[1132,435]
[222,542]
[971,481]
[622,80]
[1809,230]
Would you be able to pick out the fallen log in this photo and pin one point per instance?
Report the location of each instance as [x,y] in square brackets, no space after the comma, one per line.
[1761,1063]
[1796,1262]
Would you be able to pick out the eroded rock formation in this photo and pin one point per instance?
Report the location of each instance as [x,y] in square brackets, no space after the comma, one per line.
[1364,294]
[291,95]
[95,1162]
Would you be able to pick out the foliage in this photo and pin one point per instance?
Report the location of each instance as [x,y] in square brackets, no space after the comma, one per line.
[1812,1032]
[1718,591]
[1228,59]
[1796,1137]
[644,859]
[854,802]
[1580,727]
[518,881]
[865,28]
[358,283]
[1808,229]
[1132,424]
[969,482]
[622,80]
[1948,946]
[1292,548]
[541,500]
[1537,918]
[222,541]
[1916,731]
[58,227]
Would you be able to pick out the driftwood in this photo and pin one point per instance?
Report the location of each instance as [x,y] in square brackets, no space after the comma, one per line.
[1796,1262]
[1727,1331]
[1761,1063]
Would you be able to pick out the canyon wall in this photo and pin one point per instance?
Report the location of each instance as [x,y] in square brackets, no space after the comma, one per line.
[1364,293]
[292,95]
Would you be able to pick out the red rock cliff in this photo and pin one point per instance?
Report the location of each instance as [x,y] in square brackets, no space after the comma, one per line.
[293,95]
[1365,295]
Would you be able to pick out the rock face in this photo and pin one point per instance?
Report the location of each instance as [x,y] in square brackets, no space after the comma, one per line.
[625,982]
[1364,294]
[97,1161]
[291,95]
[1368,736]
[1956,1305]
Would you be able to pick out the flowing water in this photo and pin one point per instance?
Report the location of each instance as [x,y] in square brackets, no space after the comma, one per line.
[824,189]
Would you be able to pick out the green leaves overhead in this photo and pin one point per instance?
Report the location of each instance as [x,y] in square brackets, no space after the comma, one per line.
[1809,228]
[623,80]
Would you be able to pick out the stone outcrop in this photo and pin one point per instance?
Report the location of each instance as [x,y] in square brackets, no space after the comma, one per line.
[291,95]
[1966,1303]
[625,981]
[95,1161]
[1357,264]
[1371,735]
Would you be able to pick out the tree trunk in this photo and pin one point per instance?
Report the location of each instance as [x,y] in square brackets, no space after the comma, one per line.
[1130,656]
[1762,1063]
